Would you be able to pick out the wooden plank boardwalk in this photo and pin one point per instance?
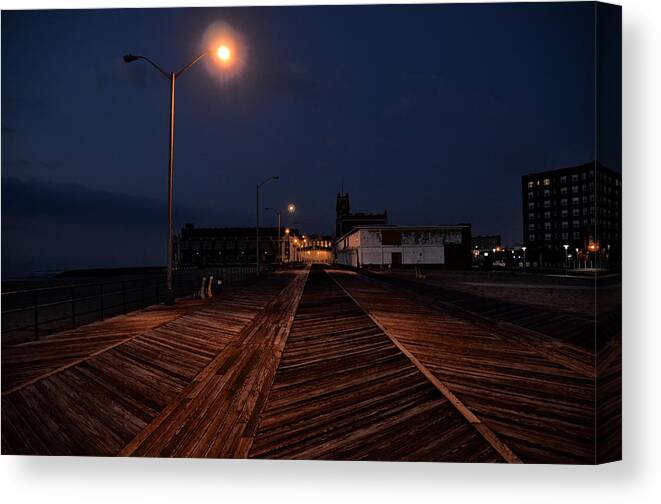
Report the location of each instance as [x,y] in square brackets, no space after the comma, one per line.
[344,391]
[326,364]
[100,403]
[542,405]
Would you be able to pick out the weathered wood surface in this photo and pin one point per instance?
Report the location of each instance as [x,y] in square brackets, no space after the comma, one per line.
[25,362]
[543,410]
[215,415]
[98,405]
[344,391]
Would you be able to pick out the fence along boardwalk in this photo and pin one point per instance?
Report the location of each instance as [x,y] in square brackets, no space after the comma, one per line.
[98,404]
[543,410]
[344,391]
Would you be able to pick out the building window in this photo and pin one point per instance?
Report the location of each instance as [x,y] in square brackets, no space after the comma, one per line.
[565,224]
[574,177]
[547,192]
[547,181]
[530,195]
[531,216]
[531,226]
[564,213]
[576,223]
[563,201]
[547,214]
[574,200]
[574,188]
[565,236]
[547,204]
[531,206]
[547,226]
[576,235]
[563,179]
[576,212]
[530,184]
[563,191]
[547,236]
[531,237]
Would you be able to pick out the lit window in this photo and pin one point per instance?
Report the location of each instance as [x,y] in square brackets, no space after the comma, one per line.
[530,184]
[547,226]
[574,200]
[563,179]
[547,181]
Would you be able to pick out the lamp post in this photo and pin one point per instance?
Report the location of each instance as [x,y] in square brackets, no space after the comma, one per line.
[524,258]
[272,177]
[279,246]
[566,247]
[224,55]
[577,264]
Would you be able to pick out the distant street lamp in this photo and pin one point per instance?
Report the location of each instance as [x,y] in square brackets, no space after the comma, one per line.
[224,54]
[291,208]
[566,259]
[273,177]
[524,258]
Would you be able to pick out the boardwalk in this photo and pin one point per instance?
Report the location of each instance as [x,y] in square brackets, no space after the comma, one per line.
[320,364]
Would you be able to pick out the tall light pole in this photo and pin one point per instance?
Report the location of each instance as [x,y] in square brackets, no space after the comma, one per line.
[566,247]
[272,177]
[223,54]
[279,246]
[524,258]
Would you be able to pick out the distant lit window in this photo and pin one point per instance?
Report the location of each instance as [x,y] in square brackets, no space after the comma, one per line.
[574,188]
[565,224]
[574,177]
[547,215]
[576,212]
[547,204]
[575,200]
[530,184]
[563,201]
[563,179]
[547,226]
[547,236]
[547,181]
[547,192]
[564,213]
[563,191]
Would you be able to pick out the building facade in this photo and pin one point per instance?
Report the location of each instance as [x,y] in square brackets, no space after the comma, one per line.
[217,246]
[345,220]
[406,246]
[578,207]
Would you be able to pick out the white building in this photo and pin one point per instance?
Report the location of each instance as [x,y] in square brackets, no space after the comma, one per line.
[397,246]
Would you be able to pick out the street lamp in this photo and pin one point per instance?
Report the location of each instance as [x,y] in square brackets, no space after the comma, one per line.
[566,259]
[279,243]
[224,55]
[291,208]
[524,258]
[272,177]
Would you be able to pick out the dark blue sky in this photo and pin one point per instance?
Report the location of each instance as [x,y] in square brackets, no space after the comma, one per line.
[433,112]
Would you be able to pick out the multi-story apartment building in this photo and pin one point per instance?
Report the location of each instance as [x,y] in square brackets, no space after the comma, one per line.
[580,207]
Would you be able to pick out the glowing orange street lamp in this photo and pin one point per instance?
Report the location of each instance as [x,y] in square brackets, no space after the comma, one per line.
[224,54]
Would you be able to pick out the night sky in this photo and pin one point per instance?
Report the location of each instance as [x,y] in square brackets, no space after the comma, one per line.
[430,112]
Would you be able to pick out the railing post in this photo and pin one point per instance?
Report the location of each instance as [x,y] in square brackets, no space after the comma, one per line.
[73,308]
[36,314]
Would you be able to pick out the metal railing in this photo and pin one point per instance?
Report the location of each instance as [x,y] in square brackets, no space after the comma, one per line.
[32,313]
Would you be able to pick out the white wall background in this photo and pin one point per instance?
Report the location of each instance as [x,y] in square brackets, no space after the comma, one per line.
[104,481]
